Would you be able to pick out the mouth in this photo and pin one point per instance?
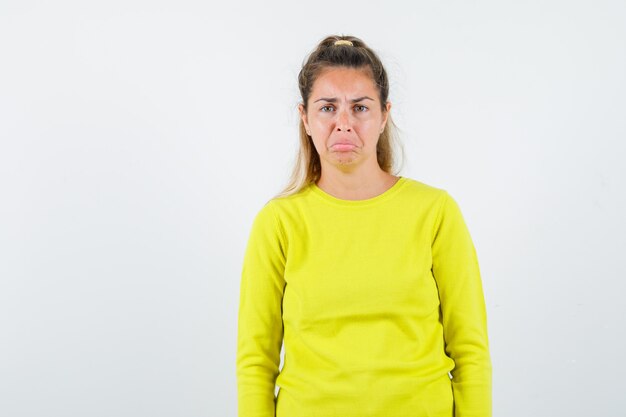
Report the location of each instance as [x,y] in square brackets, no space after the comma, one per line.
[343,147]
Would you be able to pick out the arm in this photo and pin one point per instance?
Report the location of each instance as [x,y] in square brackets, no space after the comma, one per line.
[260,327]
[456,271]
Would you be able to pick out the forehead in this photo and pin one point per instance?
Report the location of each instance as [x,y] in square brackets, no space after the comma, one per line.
[342,81]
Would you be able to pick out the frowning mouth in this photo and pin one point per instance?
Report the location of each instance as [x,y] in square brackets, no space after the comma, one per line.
[342,147]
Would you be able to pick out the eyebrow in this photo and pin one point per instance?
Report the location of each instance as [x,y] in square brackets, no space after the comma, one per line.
[334,100]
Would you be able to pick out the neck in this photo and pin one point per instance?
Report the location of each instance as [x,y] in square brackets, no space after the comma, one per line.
[357,184]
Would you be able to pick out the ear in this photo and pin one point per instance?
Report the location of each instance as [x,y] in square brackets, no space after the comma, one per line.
[385,115]
[303,117]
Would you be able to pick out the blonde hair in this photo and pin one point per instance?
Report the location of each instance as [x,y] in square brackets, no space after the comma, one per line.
[350,52]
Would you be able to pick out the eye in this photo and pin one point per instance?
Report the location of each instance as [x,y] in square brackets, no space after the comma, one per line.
[360,108]
[327,108]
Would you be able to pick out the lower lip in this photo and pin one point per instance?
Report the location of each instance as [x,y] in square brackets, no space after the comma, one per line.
[343,147]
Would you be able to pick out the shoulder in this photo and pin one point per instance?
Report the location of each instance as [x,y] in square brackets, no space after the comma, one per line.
[424,195]
[425,190]
[283,205]
[440,205]
[276,211]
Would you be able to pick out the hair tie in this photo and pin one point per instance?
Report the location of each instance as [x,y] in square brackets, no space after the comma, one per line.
[343,42]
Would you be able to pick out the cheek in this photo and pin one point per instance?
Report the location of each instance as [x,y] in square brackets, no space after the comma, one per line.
[320,148]
[321,124]
[367,127]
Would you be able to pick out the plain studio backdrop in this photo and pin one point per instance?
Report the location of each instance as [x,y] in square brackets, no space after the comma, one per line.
[140,138]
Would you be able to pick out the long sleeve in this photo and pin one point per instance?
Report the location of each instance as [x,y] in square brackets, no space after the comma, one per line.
[456,271]
[260,327]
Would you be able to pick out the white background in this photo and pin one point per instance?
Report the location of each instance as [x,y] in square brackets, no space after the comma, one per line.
[139,139]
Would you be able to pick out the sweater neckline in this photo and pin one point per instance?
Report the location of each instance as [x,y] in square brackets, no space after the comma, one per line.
[385,195]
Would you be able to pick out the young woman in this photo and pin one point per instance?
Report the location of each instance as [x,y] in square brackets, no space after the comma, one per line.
[370,279]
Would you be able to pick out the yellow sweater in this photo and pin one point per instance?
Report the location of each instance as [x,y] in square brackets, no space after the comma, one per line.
[377,301]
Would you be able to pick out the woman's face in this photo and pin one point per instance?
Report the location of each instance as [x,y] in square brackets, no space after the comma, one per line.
[344,118]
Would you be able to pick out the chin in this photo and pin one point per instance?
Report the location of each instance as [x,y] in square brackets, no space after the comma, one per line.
[346,161]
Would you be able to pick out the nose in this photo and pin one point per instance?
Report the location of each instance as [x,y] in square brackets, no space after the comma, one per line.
[344,123]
